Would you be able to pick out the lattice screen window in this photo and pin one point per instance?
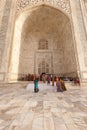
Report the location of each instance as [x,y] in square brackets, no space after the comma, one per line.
[43,44]
[43,67]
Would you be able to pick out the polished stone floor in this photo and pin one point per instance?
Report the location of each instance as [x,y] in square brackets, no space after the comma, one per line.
[22,109]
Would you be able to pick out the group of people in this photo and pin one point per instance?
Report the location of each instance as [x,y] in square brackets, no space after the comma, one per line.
[43,77]
[60,84]
[27,77]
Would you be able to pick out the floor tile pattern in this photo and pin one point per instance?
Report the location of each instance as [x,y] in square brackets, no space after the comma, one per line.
[22,109]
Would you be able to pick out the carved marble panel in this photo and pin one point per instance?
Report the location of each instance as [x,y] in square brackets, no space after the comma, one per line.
[61,4]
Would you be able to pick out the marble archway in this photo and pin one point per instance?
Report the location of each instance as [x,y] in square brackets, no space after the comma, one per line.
[43,22]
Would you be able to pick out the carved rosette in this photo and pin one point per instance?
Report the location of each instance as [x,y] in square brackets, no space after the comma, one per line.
[61,4]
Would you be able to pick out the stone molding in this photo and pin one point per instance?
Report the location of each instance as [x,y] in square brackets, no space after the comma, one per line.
[64,5]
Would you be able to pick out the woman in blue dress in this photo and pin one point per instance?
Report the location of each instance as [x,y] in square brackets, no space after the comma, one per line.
[36,89]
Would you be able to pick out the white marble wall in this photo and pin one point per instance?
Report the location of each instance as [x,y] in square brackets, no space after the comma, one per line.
[10,41]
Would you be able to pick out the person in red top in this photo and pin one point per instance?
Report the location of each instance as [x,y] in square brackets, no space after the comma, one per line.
[78,81]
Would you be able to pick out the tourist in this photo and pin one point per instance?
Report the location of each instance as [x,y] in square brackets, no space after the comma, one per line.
[36,89]
[44,78]
[58,84]
[78,81]
[48,79]
[53,79]
[63,85]
[34,76]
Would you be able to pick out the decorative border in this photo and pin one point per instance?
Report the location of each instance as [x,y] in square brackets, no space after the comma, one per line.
[62,4]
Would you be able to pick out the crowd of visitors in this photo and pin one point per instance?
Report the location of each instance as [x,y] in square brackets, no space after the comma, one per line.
[43,77]
[27,77]
[60,84]
[60,81]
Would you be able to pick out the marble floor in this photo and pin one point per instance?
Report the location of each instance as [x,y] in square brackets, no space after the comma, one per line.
[22,109]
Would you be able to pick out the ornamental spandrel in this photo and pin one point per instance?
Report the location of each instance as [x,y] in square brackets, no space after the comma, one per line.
[61,4]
